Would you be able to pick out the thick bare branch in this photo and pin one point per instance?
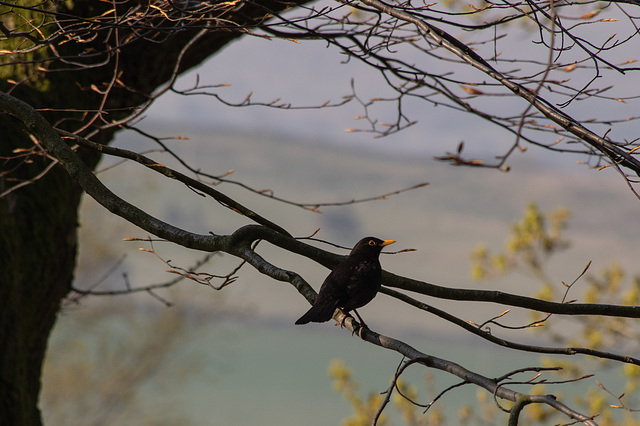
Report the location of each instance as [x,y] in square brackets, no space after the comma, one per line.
[494,296]
[56,147]
[506,343]
[174,174]
[491,385]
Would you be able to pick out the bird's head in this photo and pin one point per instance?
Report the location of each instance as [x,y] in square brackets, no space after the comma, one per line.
[371,245]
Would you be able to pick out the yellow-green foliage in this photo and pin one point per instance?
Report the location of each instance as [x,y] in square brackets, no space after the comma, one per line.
[364,410]
[533,241]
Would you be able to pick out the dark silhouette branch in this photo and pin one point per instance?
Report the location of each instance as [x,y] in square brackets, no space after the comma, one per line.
[506,343]
[491,385]
[507,299]
[36,124]
[240,244]
[217,195]
[173,174]
[461,50]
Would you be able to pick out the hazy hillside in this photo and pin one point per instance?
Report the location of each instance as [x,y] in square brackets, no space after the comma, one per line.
[241,345]
[444,221]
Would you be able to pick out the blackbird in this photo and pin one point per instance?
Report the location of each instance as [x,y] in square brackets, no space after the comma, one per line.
[352,284]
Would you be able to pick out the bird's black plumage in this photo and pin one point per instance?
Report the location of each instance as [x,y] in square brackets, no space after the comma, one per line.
[350,285]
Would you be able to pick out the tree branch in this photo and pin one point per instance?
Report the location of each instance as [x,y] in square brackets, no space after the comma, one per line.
[491,385]
[453,45]
[506,343]
[508,299]
[239,244]
[173,174]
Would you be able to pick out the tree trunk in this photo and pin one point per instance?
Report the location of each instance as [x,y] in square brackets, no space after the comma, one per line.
[38,250]
[38,222]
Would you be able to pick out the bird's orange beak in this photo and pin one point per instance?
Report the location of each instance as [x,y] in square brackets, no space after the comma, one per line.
[387,242]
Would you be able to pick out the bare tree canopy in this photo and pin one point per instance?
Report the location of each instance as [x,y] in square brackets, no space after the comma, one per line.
[74,73]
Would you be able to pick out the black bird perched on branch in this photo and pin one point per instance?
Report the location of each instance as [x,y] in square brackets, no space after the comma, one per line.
[352,284]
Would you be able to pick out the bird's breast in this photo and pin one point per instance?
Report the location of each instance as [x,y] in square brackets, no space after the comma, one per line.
[367,267]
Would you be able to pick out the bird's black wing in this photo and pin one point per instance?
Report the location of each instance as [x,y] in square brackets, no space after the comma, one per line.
[332,294]
[363,285]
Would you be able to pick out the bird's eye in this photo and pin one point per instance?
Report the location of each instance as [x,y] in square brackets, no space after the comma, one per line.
[372,243]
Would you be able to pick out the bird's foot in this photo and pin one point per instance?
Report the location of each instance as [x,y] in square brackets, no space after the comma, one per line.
[362,323]
[362,326]
[357,326]
[344,318]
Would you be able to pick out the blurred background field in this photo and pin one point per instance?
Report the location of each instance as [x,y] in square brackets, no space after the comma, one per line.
[234,356]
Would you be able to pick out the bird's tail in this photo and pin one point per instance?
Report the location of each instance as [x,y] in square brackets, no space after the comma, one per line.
[317,313]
